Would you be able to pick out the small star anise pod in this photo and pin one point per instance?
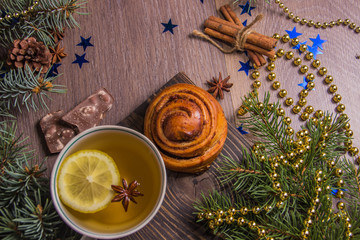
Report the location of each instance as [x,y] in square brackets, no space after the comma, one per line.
[219,85]
[58,53]
[126,193]
[57,35]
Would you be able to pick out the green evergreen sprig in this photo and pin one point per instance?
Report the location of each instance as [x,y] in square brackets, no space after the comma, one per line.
[24,87]
[20,19]
[287,183]
[26,209]
[38,21]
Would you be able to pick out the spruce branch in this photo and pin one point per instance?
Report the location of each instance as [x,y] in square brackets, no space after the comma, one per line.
[283,186]
[266,126]
[39,21]
[9,228]
[23,87]
[26,211]
[39,219]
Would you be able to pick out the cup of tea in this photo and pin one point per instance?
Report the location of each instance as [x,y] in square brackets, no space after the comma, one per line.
[136,158]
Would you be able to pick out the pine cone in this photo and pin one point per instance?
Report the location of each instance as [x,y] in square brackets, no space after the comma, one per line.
[29,51]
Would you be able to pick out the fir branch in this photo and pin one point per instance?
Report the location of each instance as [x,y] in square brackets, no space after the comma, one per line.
[39,219]
[11,148]
[264,125]
[9,228]
[47,15]
[285,198]
[26,210]
[21,87]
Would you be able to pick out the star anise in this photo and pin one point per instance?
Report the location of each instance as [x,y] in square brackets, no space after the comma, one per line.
[57,35]
[126,193]
[58,53]
[219,85]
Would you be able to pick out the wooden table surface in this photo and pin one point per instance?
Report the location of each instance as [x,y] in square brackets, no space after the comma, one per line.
[132,58]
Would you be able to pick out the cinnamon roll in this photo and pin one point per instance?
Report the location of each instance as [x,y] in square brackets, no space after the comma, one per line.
[188,126]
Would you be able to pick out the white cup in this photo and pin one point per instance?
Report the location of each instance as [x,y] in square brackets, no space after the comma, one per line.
[147,165]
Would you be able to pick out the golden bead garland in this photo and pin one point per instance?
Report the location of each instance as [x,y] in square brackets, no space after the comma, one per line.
[301,143]
[23,13]
[310,77]
[312,23]
[294,159]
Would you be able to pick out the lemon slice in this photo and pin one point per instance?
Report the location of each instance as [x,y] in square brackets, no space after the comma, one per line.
[85,179]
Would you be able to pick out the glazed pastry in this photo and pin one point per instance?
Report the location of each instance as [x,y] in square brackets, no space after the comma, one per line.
[188,126]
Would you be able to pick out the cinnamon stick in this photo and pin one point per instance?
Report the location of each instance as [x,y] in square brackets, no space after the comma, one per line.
[231,40]
[230,15]
[237,21]
[254,58]
[219,35]
[261,59]
[226,14]
[269,54]
[232,29]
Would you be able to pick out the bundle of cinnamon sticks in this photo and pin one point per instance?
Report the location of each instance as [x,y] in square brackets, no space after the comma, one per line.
[256,44]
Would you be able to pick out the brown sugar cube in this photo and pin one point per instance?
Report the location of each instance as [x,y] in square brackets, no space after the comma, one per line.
[57,135]
[89,112]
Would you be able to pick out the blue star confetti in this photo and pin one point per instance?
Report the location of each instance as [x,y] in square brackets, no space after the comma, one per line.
[240,128]
[2,75]
[169,26]
[293,33]
[335,191]
[303,84]
[80,60]
[245,67]
[298,46]
[246,8]
[202,1]
[244,23]
[85,43]
[54,70]
[317,42]
[314,50]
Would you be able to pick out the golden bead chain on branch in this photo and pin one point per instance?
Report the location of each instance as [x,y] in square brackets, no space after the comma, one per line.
[311,23]
[301,104]
[301,147]
[23,13]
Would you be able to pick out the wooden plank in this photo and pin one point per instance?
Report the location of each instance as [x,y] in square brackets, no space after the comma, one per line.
[175,219]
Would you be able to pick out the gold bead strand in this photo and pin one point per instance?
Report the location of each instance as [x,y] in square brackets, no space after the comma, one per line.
[23,13]
[311,23]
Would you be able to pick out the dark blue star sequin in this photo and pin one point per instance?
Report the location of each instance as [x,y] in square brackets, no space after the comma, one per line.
[245,67]
[202,1]
[3,70]
[241,130]
[244,23]
[80,60]
[54,70]
[293,33]
[246,8]
[85,43]
[318,42]
[169,26]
